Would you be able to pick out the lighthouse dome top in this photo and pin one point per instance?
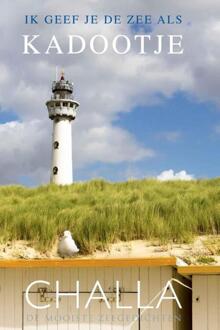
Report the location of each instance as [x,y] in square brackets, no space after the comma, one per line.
[62,85]
[62,104]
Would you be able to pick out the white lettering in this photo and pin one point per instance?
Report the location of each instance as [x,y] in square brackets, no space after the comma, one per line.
[176,46]
[128,44]
[28,44]
[105,45]
[83,44]
[142,39]
[67,294]
[101,297]
[28,291]
[54,45]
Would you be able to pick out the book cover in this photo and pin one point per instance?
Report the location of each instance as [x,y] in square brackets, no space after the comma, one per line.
[110,189]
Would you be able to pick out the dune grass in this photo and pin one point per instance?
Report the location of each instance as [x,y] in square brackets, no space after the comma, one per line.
[98,212]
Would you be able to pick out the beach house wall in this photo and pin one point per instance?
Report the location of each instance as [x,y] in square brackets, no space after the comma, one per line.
[206,296]
[16,313]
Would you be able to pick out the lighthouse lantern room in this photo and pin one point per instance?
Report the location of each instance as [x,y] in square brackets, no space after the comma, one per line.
[62,110]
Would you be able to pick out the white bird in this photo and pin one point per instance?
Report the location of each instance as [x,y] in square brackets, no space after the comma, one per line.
[67,246]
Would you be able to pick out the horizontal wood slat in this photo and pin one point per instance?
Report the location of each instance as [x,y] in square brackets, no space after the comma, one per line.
[117,262]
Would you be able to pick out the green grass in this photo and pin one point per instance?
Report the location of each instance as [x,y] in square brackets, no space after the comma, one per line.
[98,213]
[205,260]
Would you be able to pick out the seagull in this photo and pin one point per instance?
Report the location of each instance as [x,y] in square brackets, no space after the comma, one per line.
[67,246]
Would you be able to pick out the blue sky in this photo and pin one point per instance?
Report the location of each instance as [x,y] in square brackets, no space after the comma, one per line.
[8,116]
[181,130]
[196,147]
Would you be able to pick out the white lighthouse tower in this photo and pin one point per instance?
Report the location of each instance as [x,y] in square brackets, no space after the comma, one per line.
[62,110]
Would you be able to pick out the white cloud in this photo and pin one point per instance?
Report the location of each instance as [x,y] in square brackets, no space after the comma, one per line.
[170,175]
[24,151]
[107,144]
[27,150]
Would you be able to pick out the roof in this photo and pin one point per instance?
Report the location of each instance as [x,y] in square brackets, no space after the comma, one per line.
[199,270]
[111,262]
[83,262]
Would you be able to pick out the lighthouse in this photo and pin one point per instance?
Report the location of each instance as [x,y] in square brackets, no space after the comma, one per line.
[62,111]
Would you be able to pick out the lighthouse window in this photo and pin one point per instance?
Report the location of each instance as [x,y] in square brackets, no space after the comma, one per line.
[56,145]
[55,170]
[65,104]
[57,104]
